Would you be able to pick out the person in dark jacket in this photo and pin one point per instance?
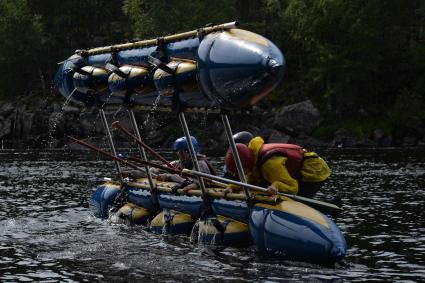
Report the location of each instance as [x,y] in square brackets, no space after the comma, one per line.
[184,161]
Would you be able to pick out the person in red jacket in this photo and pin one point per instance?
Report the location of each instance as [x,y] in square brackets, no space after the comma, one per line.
[281,167]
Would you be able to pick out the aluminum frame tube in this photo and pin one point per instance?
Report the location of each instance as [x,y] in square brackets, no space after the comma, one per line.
[141,149]
[236,157]
[111,143]
[191,150]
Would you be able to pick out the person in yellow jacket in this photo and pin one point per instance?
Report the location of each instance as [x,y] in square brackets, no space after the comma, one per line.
[282,167]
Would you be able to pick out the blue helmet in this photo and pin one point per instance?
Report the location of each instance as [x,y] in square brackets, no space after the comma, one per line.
[181,144]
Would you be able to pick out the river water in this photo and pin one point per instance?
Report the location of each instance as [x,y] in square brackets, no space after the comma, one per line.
[47,233]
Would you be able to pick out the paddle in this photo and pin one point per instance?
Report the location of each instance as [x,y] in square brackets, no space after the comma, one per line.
[133,138]
[125,162]
[92,147]
[257,188]
[171,170]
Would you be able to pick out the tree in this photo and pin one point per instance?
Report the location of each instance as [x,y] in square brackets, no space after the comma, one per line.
[151,19]
[78,24]
[353,51]
[20,48]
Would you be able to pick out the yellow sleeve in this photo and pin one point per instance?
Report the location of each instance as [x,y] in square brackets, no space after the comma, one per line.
[274,171]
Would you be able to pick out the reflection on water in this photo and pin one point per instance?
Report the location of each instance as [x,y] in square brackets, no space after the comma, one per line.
[47,233]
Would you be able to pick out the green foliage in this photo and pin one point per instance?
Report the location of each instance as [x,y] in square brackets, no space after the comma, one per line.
[21,35]
[154,18]
[354,52]
[407,111]
[78,24]
[362,61]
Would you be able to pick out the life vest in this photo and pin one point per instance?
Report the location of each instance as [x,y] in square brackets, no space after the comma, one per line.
[293,153]
[210,167]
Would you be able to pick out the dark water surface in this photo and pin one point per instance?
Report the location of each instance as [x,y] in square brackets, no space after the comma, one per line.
[47,233]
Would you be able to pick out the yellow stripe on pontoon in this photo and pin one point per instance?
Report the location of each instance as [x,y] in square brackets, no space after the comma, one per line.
[178,218]
[244,35]
[233,226]
[298,209]
[158,221]
[111,185]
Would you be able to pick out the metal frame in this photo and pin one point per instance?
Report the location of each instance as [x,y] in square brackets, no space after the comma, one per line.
[141,149]
[236,157]
[191,150]
[111,143]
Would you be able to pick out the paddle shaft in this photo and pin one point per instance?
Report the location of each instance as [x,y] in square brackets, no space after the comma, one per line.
[152,164]
[172,170]
[145,162]
[118,126]
[261,189]
[94,148]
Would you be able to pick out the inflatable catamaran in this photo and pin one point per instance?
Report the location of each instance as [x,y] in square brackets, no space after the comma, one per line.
[214,69]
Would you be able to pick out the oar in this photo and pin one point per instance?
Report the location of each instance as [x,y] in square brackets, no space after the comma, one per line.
[124,162]
[172,170]
[155,165]
[257,188]
[133,138]
[94,148]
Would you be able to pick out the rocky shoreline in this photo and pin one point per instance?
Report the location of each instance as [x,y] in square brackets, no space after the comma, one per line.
[42,124]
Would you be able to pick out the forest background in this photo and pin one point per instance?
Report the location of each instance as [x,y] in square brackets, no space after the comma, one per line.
[362,63]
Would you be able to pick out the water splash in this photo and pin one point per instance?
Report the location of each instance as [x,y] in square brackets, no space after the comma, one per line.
[194,234]
[117,112]
[106,100]
[150,114]
[207,233]
[56,118]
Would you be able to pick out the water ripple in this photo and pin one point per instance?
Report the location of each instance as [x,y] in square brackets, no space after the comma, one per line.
[48,234]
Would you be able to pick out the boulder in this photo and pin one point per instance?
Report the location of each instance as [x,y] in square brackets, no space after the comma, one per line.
[278,137]
[409,141]
[7,109]
[26,124]
[381,138]
[345,138]
[5,127]
[378,135]
[299,118]
[342,138]
[308,142]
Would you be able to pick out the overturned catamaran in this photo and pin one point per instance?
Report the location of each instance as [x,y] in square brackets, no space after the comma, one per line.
[214,69]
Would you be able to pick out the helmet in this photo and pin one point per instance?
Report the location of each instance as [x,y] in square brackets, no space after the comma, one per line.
[243,137]
[245,154]
[181,144]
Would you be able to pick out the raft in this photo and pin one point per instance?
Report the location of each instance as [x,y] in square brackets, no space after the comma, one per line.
[279,227]
[219,67]
[213,69]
